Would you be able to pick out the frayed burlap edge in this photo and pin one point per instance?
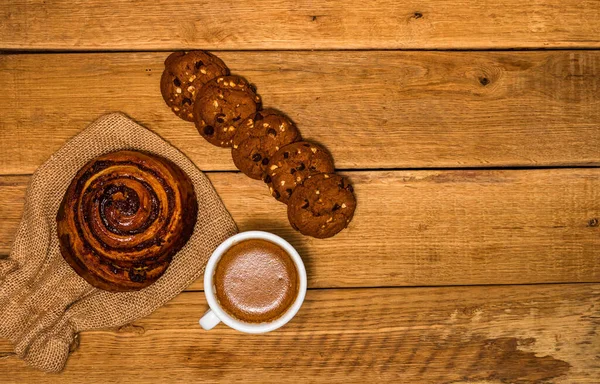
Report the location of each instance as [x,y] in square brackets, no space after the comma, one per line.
[43,302]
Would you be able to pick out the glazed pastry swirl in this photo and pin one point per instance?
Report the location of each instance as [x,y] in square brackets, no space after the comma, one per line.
[123,218]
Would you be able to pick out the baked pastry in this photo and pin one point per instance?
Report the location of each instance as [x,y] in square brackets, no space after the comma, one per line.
[293,164]
[184,75]
[221,106]
[322,206]
[123,218]
[258,138]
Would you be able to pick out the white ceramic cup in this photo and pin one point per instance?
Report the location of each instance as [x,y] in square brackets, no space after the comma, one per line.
[216,314]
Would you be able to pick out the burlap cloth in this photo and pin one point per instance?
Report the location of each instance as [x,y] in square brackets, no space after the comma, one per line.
[43,302]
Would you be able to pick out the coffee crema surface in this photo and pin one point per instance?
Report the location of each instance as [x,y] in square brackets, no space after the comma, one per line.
[256,281]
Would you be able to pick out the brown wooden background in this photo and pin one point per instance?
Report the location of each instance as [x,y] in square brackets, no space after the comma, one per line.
[471,130]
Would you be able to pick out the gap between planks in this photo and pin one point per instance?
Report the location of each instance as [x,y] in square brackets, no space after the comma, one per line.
[350,170]
[435,286]
[41,51]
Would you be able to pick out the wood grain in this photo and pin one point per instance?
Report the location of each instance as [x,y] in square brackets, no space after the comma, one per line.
[514,334]
[291,24]
[422,228]
[371,109]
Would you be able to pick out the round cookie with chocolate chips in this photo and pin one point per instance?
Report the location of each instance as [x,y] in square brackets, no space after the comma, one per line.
[258,138]
[184,75]
[221,107]
[322,206]
[293,164]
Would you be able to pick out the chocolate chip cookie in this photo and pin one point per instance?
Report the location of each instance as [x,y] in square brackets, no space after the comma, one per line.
[184,75]
[221,106]
[293,164]
[258,138]
[322,206]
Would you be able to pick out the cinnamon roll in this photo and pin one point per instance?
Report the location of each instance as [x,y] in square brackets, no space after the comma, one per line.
[123,218]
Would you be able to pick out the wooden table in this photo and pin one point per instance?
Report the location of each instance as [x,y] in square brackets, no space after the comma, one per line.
[471,130]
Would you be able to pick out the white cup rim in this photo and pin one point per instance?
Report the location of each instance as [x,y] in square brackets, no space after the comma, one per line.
[233,322]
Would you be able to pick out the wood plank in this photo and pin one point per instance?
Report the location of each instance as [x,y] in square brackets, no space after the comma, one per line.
[371,109]
[423,228]
[304,24]
[513,334]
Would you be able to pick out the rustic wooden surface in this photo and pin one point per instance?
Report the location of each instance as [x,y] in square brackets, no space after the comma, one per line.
[441,227]
[298,24]
[474,256]
[510,334]
[419,109]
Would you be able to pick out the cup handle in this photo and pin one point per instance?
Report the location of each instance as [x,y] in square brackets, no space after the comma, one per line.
[209,320]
